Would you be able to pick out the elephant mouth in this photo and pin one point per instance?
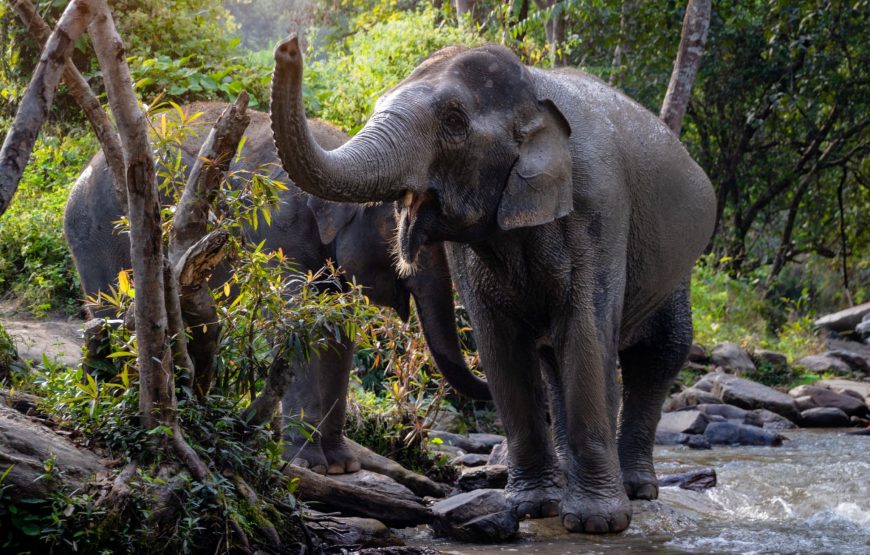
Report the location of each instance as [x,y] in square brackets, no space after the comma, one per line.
[416,217]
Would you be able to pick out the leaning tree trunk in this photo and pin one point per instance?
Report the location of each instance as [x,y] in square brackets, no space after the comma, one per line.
[37,100]
[692,41]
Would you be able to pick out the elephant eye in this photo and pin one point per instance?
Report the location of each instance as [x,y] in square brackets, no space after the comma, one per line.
[455,124]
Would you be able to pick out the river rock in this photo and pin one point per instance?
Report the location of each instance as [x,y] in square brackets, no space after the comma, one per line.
[839,385]
[692,441]
[698,354]
[694,480]
[348,530]
[862,330]
[689,397]
[487,440]
[729,412]
[859,422]
[470,459]
[824,417]
[459,441]
[483,515]
[853,394]
[768,420]
[685,421]
[844,320]
[490,476]
[821,364]
[377,483]
[731,358]
[730,433]
[823,397]
[499,454]
[855,361]
[751,395]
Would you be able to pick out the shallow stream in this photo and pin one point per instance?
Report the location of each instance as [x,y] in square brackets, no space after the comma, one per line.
[812,495]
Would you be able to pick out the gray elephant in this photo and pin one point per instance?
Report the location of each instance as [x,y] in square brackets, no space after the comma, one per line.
[572,217]
[309,231]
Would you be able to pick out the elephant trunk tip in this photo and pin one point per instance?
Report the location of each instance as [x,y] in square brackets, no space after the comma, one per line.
[288,51]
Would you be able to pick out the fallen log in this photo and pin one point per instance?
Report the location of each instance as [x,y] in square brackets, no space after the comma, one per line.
[420,485]
[350,500]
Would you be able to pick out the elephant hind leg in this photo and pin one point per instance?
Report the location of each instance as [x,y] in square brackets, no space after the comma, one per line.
[333,367]
[300,407]
[649,366]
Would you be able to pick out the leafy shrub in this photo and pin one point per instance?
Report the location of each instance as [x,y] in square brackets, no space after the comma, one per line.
[35,264]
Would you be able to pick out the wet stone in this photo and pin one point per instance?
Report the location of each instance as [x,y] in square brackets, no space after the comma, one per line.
[487,440]
[751,395]
[491,476]
[459,441]
[824,417]
[768,420]
[470,459]
[823,397]
[729,433]
[482,515]
[689,397]
[694,480]
[684,421]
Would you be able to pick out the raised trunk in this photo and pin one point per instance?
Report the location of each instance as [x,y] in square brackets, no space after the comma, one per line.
[369,167]
[433,296]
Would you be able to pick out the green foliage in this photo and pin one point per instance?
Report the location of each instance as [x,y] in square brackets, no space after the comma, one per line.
[343,87]
[35,264]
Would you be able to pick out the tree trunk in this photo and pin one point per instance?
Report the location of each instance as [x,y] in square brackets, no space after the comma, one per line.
[626,38]
[37,100]
[85,98]
[692,41]
[555,28]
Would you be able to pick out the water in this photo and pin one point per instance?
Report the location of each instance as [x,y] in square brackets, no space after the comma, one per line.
[810,496]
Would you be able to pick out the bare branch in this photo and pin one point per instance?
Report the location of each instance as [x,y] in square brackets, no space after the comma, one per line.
[39,97]
[85,98]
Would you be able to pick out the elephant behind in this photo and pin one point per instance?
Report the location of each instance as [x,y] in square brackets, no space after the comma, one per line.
[309,231]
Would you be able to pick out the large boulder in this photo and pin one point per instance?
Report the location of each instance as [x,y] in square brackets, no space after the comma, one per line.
[824,417]
[491,476]
[689,397]
[768,420]
[733,359]
[858,362]
[483,515]
[844,320]
[751,395]
[824,363]
[823,397]
[730,433]
[683,422]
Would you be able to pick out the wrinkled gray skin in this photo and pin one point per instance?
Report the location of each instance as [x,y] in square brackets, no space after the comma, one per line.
[309,231]
[573,217]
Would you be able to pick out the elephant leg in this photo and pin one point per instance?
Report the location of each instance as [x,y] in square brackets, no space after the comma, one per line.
[302,414]
[649,366]
[594,500]
[513,372]
[333,369]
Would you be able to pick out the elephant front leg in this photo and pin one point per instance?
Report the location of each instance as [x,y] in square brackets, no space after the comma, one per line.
[594,501]
[301,412]
[514,376]
[333,369]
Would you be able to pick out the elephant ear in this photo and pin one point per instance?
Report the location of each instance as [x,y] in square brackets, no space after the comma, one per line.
[331,217]
[539,189]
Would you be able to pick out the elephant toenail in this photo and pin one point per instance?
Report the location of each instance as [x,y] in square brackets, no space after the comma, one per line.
[647,491]
[526,510]
[550,508]
[620,522]
[596,525]
[572,523]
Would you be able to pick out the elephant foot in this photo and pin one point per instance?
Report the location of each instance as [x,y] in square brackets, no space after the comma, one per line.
[340,457]
[640,484]
[307,455]
[536,498]
[596,514]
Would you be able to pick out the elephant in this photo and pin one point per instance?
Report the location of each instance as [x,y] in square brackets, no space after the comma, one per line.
[572,218]
[309,231]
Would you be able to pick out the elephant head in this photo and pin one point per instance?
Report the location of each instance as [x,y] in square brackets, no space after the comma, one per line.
[465,143]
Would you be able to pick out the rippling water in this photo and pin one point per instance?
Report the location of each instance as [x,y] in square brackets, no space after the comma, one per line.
[810,496]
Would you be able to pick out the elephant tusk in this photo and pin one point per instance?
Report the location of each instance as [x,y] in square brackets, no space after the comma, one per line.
[408,199]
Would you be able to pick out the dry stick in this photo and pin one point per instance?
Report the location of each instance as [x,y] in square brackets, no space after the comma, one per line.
[692,41]
[85,98]
[37,100]
[175,319]
[192,253]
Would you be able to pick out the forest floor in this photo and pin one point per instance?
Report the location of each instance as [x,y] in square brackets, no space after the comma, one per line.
[57,335]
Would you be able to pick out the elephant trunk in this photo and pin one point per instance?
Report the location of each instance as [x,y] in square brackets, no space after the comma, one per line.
[433,296]
[367,168]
